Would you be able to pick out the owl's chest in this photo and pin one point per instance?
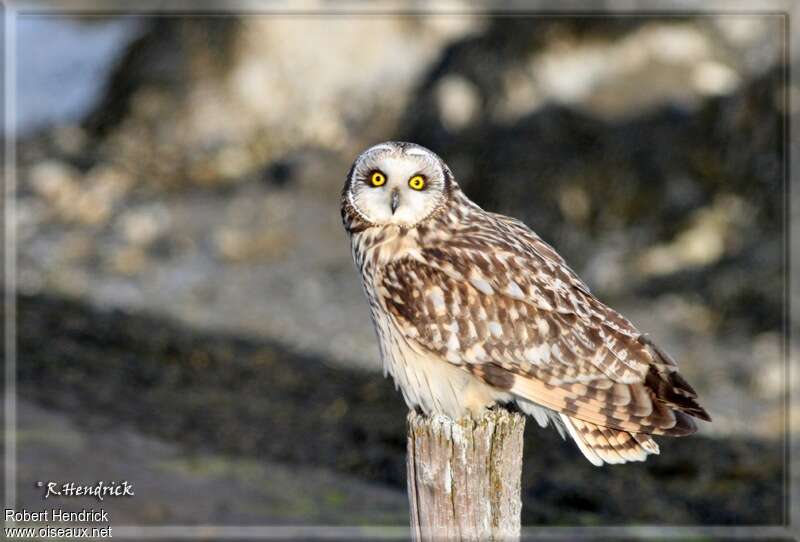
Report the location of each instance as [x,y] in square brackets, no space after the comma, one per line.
[426,380]
[372,252]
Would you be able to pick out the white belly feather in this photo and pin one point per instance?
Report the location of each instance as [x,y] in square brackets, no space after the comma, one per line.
[426,380]
[434,385]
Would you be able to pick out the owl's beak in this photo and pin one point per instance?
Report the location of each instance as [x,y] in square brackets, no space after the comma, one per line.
[395,201]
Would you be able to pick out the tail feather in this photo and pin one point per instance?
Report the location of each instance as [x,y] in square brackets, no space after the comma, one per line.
[606,445]
[598,444]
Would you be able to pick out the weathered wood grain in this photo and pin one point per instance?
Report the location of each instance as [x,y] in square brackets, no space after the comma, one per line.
[464,476]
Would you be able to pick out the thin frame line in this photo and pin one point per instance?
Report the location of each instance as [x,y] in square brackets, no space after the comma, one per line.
[394,532]
[385,7]
[786,346]
[790,164]
[9,246]
[375,13]
[322,532]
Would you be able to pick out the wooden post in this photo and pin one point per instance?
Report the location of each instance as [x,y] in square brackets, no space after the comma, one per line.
[464,476]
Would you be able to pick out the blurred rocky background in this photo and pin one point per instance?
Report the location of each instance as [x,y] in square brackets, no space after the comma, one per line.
[186,286]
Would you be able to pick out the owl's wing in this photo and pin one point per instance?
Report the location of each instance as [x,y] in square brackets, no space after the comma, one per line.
[520,320]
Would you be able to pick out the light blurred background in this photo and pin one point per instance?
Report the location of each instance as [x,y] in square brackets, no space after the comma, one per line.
[189,316]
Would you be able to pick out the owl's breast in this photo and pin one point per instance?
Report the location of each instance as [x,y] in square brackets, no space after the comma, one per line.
[372,250]
[426,380]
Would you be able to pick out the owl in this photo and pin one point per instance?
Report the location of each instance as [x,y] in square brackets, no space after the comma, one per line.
[472,309]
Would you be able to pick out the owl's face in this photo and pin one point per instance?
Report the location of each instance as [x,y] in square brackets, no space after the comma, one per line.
[397,183]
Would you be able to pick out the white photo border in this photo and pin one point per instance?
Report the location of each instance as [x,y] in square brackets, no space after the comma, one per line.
[787,10]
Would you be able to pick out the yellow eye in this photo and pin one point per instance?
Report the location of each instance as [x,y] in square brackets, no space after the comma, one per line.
[377,178]
[417,182]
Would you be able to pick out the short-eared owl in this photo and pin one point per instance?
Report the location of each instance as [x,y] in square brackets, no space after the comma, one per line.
[472,308]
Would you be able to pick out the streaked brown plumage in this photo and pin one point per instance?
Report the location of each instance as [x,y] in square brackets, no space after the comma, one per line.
[472,308]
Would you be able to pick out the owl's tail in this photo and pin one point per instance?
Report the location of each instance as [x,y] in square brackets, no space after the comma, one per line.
[605,445]
[598,444]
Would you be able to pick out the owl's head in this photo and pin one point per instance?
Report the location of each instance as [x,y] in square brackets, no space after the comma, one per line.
[397,183]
